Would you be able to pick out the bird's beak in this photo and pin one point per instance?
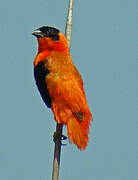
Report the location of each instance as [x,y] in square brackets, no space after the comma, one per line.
[37,33]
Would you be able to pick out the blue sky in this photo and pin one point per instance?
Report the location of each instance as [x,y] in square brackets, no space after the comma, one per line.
[104,42]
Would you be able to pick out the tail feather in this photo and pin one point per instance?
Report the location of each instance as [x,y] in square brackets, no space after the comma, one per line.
[77,123]
[78,130]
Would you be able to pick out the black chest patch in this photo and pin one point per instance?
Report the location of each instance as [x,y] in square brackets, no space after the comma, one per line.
[40,73]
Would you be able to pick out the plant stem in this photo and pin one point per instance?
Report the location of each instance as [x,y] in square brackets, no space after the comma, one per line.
[68,29]
[56,161]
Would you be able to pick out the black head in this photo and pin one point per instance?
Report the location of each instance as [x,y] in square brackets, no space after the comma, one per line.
[46,31]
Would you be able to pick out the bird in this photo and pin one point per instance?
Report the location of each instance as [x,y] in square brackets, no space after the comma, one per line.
[60,84]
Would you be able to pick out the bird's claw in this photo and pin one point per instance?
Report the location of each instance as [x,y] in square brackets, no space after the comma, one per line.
[59,136]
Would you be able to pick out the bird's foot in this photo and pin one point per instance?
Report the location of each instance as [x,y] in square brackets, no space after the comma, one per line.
[60,136]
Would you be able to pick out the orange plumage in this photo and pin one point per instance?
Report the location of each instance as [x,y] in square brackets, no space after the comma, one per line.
[60,84]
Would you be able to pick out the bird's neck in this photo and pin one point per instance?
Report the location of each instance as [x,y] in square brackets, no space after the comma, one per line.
[46,46]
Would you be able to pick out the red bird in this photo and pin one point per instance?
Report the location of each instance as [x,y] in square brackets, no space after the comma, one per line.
[60,84]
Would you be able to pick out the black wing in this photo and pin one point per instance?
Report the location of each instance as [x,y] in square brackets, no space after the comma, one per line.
[40,73]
